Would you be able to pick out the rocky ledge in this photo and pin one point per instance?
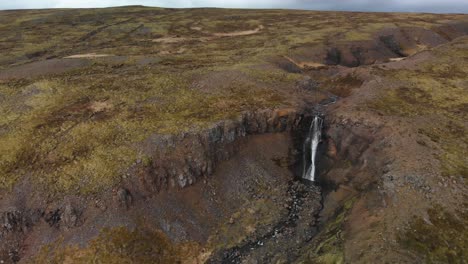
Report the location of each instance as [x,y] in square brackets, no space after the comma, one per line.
[180,161]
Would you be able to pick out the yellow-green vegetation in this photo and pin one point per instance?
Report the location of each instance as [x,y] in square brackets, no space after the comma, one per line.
[119,245]
[342,86]
[328,245]
[365,30]
[130,31]
[437,91]
[245,222]
[228,25]
[79,134]
[79,131]
[442,237]
[252,215]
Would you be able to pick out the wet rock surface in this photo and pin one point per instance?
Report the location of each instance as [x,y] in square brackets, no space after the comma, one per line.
[15,221]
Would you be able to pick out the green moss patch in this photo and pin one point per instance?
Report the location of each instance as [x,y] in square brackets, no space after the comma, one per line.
[343,86]
[118,245]
[327,246]
[436,90]
[78,132]
[442,237]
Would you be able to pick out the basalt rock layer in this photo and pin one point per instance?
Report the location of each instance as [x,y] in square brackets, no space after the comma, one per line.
[179,161]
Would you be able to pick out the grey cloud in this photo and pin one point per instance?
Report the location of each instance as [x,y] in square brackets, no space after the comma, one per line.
[439,6]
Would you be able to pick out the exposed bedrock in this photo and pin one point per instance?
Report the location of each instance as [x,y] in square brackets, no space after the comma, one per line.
[180,161]
[351,161]
[350,146]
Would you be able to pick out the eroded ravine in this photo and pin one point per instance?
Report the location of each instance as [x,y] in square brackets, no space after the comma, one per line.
[285,239]
[298,227]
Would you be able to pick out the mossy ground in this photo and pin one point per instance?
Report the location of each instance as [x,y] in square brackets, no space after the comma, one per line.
[253,216]
[130,31]
[327,246]
[432,98]
[435,90]
[442,237]
[119,245]
[76,132]
[342,86]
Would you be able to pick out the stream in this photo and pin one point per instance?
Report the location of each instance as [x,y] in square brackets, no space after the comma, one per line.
[289,234]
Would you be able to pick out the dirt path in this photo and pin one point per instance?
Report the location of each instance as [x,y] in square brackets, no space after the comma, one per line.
[240,33]
[176,39]
[87,56]
[304,64]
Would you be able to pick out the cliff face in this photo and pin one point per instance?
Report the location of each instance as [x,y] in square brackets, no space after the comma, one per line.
[180,161]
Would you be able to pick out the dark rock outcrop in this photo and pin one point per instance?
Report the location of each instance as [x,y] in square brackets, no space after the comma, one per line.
[124,197]
[180,161]
[18,221]
[14,225]
[70,216]
[348,155]
[53,217]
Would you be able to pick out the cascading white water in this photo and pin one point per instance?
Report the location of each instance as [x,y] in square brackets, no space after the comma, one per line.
[313,139]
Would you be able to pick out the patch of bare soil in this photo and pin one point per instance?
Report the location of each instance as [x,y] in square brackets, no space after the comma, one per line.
[240,33]
[34,69]
[305,64]
[407,63]
[196,28]
[177,39]
[88,56]
[100,106]
[171,39]
[396,59]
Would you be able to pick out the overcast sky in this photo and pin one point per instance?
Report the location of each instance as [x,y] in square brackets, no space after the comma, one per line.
[441,6]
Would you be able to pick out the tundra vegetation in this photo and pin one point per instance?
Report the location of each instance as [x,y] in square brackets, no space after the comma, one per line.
[81,91]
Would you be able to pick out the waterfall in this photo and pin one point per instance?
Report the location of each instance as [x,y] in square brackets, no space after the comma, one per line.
[312,140]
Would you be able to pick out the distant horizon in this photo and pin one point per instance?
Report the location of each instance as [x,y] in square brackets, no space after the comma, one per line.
[246,8]
[397,6]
